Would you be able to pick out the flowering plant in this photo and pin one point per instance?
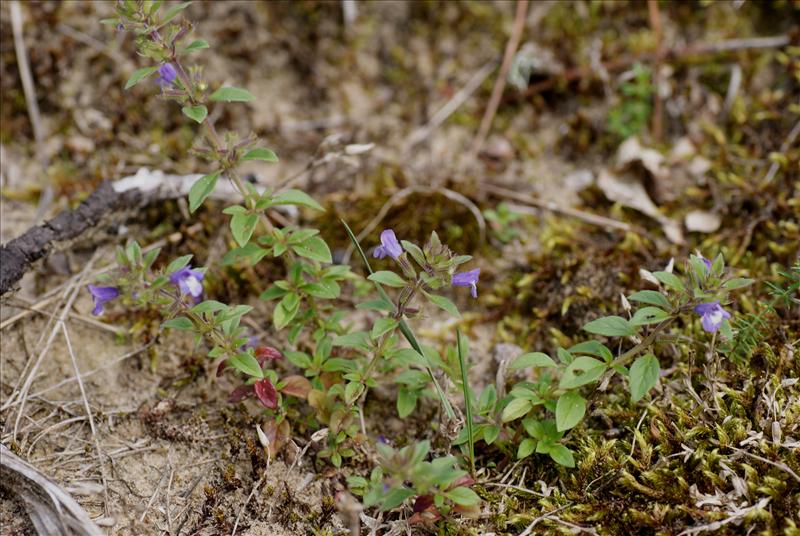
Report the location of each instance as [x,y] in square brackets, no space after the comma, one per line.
[543,410]
[335,366]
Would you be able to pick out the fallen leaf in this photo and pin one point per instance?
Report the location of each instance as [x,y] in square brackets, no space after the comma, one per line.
[702,221]
[630,192]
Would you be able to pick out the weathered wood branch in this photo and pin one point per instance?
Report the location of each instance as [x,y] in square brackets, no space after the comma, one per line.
[17,256]
[52,510]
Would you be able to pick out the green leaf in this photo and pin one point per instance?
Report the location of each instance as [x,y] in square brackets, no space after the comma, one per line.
[180,322]
[201,189]
[383,326]
[196,113]
[594,348]
[327,290]
[610,326]
[231,94]
[172,12]
[670,280]
[314,248]
[532,359]
[234,209]
[737,282]
[526,448]
[651,297]
[260,154]
[357,339]
[649,315]
[581,371]
[295,197]
[242,227]
[406,402]
[298,359]
[208,306]
[252,253]
[444,303]
[562,455]
[570,409]
[490,434]
[139,75]
[178,263]
[246,363]
[516,409]
[644,375]
[282,315]
[197,44]
[463,496]
[395,498]
[352,392]
[387,278]
[273,293]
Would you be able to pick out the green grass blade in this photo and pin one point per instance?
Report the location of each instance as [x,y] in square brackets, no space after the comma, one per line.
[467,400]
[404,329]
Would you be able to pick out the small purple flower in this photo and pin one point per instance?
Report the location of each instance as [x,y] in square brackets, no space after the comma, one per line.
[711,315]
[467,279]
[188,281]
[389,246]
[252,342]
[101,295]
[166,75]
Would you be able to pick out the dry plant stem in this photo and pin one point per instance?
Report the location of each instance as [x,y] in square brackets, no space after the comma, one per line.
[155,494]
[253,492]
[23,391]
[775,167]
[529,529]
[779,465]
[682,53]
[658,104]
[89,416]
[587,217]
[451,106]
[500,85]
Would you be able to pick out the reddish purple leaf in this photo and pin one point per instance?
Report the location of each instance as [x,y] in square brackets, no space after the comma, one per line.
[267,353]
[266,393]
[423,502]
[465,481]
[296,386]
[221,367]
[240,393]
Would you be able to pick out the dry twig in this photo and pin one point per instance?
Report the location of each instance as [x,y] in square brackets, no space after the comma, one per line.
[500,85]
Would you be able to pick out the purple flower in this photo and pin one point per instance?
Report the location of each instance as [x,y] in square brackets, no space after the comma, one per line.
[389,246]
[188,281]
[252,342]
[101,295]
[467,279]
[166,74]
[711,315]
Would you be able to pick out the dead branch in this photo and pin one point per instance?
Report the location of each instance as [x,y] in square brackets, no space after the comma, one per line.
[52,510]
[17,256]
